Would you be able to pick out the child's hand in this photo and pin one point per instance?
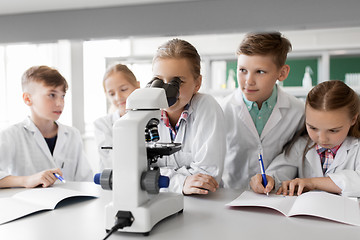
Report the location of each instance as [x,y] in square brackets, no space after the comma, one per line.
[45,178]
[298,184]
[199,184]
[257,186]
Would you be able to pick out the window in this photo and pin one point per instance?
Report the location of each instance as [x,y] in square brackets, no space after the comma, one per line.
[14,61]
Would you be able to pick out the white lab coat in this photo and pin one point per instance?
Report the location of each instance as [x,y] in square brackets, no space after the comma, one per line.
[244,143]
[344,171]
[203,143]
[24,152]
[103,130]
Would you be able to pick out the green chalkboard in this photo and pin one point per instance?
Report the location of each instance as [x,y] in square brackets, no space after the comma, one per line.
[297,70]
[340,65]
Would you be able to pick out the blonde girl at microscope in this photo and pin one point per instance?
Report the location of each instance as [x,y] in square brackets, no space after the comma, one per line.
[118,82]
[195,120]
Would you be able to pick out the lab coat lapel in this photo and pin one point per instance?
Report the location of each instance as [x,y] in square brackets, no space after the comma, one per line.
[62,138]
[244,115]
[277,113]
[312,157]
[38,137]
[342,153]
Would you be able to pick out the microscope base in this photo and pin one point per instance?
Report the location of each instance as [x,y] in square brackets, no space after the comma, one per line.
[146,216]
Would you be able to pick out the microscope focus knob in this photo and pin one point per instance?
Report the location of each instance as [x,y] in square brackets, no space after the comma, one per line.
[104,179]
[164,181]
[152,181]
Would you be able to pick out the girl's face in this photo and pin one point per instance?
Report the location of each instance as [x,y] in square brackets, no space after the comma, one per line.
[168,68]
[328,128]
[117,89]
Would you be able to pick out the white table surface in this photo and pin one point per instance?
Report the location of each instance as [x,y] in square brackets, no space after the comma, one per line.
[204,217]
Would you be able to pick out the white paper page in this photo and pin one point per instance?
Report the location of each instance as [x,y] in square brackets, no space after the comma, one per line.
[327,205]
[280,203]
[48,198]
[11,209]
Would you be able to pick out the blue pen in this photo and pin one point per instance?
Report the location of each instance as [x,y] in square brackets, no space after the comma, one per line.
[59,177]
[262,171]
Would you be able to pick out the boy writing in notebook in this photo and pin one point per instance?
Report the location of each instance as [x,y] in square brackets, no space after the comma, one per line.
[260,117]
[32,152]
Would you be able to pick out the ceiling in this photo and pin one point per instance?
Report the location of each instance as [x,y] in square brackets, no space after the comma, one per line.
[31,6]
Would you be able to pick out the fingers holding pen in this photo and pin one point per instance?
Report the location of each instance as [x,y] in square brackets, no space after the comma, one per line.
[256,184]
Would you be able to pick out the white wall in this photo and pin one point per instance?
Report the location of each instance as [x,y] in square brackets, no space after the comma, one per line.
[178,18]
[298,20]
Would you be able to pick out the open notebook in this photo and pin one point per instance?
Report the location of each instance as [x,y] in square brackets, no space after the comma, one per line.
[318,204]
[33,200]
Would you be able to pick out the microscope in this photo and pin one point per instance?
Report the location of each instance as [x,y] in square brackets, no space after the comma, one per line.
[137,205]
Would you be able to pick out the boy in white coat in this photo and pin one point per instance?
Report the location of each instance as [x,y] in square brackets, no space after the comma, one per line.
[33,151]
[326,156]
[260,116]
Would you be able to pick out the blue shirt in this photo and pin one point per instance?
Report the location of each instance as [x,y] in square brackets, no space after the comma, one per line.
[261,116]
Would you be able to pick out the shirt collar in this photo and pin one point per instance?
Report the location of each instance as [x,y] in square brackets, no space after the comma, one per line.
[320,149]
[184,116]
[270,102]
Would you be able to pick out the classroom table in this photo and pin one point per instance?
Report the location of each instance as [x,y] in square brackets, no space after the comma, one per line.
[204,217]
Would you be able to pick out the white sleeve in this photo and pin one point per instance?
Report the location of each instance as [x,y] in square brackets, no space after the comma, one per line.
[207,147]
[7,147]
[348,180]
[103,138]
[177,179]
[286,166]
[83,170]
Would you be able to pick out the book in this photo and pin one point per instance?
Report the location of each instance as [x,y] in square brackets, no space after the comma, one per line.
[34,200]
[319,204]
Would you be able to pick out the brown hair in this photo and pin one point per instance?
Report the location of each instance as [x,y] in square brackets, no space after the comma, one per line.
[43,74]
[328,96]
[123,69]
[177,48]
[333,95]
[271,43]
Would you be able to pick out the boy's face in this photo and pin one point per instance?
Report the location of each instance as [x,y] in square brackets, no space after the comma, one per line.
[118,88]
[45,102]
[257,76]
[167,69]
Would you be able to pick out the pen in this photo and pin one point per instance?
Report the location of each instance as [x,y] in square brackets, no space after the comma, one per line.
[262,171]
[59,177]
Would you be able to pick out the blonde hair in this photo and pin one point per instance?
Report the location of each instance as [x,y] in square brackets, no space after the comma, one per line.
[264,44]
[130,77]
[43,74]
[178,49]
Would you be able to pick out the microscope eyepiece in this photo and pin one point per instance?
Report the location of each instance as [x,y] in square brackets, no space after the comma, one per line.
[171,88]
